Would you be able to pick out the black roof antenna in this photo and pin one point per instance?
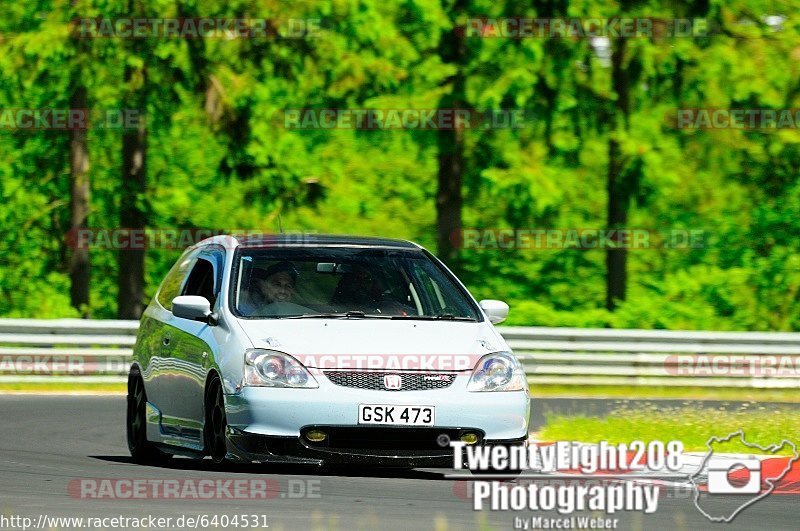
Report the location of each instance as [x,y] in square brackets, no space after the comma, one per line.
[280,224]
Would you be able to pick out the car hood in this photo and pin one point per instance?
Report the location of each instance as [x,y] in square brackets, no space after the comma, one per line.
[377,343]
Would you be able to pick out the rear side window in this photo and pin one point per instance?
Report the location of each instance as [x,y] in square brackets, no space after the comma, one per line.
[171,287]
[201,281]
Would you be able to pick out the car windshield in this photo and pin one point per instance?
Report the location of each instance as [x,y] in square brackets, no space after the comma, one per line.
[346,282]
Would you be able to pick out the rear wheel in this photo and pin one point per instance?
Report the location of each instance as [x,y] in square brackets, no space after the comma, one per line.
[142,450]
[216,423]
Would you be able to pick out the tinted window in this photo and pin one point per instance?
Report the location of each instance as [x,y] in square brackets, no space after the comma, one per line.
[171,286]
[201,281]
[377,282]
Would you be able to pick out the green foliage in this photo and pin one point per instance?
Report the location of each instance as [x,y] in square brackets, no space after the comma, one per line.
[220,157]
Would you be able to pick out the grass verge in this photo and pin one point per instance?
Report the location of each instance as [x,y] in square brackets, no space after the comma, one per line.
[762,424]
[689,393]
[63,387]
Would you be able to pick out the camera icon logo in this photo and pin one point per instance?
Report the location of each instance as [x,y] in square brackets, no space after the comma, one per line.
[721,468]
[738,474]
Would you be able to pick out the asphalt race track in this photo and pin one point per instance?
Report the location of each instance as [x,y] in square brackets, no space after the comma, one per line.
[49,444]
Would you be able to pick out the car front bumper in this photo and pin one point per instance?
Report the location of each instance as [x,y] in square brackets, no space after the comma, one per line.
[269,424]
[418,450]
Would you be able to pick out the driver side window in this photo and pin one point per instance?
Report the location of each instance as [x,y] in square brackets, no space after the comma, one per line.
[173,282]
[201,281]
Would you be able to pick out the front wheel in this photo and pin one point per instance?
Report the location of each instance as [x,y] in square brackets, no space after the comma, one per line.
[142,450]
[215,423]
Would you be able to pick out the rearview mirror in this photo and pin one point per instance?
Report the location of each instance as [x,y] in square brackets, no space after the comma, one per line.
[192,307]
[326,267]
[332,268]
[496,311]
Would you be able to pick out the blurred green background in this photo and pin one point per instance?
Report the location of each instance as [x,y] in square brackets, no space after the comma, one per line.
[213,155]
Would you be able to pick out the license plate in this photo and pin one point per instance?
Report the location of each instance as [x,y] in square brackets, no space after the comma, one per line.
[396,415]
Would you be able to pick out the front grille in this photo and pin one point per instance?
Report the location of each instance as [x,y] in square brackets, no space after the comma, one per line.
[409,381]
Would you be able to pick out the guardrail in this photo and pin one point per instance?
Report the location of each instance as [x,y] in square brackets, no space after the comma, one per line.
[65,350]
[76,350]
[577,356]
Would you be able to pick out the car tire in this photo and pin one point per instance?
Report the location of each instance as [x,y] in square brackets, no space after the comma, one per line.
[215,423]
[142,450]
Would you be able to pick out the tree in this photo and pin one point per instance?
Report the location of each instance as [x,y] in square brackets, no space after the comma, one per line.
[622,175]
[133,178]
[79,264]
[450,141]
[132,214]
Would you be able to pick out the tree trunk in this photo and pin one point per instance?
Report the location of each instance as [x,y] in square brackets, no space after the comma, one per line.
[448,195]
[618,186]
[449,199]
[616,259]
[79,265]
[131,296]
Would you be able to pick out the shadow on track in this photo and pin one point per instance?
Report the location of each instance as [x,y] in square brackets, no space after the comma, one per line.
[206,465]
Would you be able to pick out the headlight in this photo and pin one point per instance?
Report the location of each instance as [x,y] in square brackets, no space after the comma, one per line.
[499,371]
[269,368]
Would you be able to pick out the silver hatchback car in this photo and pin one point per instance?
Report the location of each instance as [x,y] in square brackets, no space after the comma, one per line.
[320,350]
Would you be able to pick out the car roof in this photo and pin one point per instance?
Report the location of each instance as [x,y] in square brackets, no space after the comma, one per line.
[323,240]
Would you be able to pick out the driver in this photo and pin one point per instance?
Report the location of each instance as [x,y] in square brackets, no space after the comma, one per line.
[360,290]
[357,288]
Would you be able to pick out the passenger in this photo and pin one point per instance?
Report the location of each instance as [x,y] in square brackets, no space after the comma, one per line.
[269,286]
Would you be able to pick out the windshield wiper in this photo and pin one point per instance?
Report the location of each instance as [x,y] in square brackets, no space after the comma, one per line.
[451,317]
[355,314]
[337,315]
[442,317]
